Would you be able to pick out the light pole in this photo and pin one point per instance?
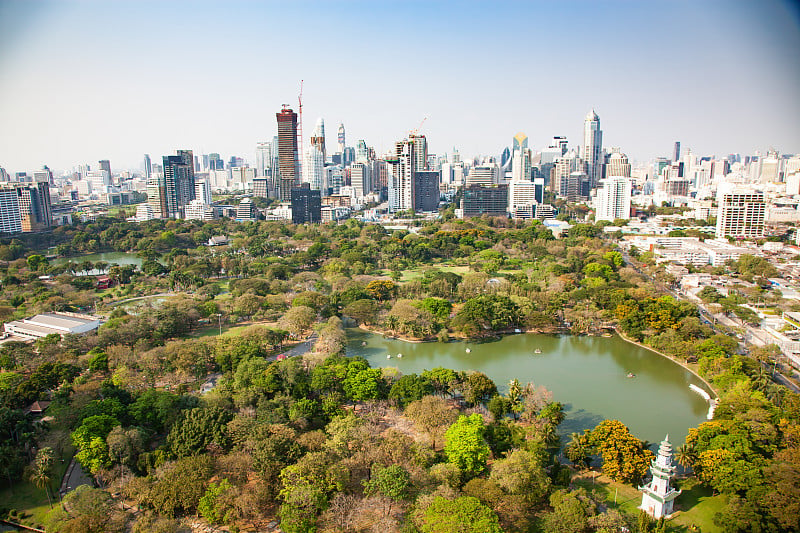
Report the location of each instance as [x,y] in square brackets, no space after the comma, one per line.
[219,318]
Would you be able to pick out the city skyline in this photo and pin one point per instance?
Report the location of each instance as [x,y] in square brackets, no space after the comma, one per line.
[91,81]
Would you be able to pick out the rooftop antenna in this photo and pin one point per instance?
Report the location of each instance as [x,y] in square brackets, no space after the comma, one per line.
[300,128]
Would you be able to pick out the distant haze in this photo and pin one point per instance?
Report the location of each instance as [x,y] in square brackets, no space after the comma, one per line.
[83,81]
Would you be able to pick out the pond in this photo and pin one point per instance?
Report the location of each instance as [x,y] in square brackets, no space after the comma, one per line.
[120,258]
[589,375]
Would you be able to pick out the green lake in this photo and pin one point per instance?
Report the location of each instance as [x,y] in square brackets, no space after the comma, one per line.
[119,258]
[589,375]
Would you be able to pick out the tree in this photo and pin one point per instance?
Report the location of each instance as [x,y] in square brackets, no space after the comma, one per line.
[579,449]
[40,470]
[521,473]
[391,482]
[624,457]
[364,384]
[298,319]
[465,446]
[197,429]
[465,514]
[305,489]
[571,511]
[89,439]
[380,289]
[212,505]
[364,310]
[87,510]
[487,313]
[409,388]
[479,388]
[433,415]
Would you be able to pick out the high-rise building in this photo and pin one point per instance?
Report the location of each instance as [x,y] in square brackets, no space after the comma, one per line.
[521,193]
[593,147]
[426,191]
[362,152]
[105,164]
[613,200]
[360,179]
[148,167]
[246,211]
[171,190]
[479,200]
[676,151]
[741,212]
[289,165]
[202,191]
[318,138]
[521,158]
[562,168]
[618,164]
[31,211]
[408,157]
[306,205]
[485,175]
[10,217]
[263,158]
[341,139]
[770,167]
[314,167]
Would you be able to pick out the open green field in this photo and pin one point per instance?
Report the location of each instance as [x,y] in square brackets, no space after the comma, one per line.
[414,273]
[696,506]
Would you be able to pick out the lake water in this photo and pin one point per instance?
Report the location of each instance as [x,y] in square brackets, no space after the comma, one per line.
[586,374]
[120,258]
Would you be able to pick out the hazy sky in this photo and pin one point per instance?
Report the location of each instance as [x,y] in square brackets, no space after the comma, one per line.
[90,80]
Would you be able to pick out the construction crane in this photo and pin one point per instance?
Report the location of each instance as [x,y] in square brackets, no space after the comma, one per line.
[300,131]
[415,131]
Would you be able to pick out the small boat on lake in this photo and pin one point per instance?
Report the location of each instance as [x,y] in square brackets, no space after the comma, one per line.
[399,355]
[468,350]
[631,375]
[537,351]
[388,356]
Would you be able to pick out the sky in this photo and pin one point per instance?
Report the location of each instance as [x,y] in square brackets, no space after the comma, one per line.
[87,80]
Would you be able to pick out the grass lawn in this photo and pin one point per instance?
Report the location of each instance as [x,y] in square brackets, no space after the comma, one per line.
[414,273]
[694,507]
[25,497]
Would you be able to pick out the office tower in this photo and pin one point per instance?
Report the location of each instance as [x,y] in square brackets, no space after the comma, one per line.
[426,191]
[105,164]
[10,217]
[593,147]
[539,184]
[202,191]
[479,200]
[314,167]
[521,196]
[505,157]
[43,176]
[561,170]
[261,187]
[341,139]
[215,162]
[578,186]
[263,158]
[741,212]
[289,165]
[618,164]
[99,181]
[34,206]
[362,152]
[246,211]
[485,174]
[770,167]
[721,168]
[148,167]
[613,200]
[360,179]
[676,151]
[521,158]
[318,138]
[408,157]
[171,190]
[306,205]
[4,175]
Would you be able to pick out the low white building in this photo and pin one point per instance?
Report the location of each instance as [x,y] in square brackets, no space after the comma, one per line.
[52,323]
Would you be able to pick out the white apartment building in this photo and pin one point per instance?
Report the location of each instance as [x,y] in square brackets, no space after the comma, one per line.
[741,212]
[613,199]
[199,210]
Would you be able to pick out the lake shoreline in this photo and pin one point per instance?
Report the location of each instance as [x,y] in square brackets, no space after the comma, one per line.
[673,359]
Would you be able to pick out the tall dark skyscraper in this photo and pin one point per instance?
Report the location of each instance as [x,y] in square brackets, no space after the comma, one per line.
[148,166]
[288,161]
[105,164]
[175,189]
[676,152]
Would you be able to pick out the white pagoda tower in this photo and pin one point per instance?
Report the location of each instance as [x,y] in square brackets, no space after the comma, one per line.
[658,496]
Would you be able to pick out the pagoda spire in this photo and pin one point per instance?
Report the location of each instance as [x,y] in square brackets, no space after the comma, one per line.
[658,496]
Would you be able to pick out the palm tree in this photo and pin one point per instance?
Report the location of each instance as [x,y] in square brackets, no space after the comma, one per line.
[40,472]
[684,455]
[578,450]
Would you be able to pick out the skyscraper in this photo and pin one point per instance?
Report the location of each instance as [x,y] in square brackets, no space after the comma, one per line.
[148,166]
[306,205]
[171,191]
[341,139]
[618,164]
[105,164]
[408,157]
[289,165]
[263,158]
[613,200]
[676,151]
[740,213]
[318,138]
[593,148]
[521,158]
